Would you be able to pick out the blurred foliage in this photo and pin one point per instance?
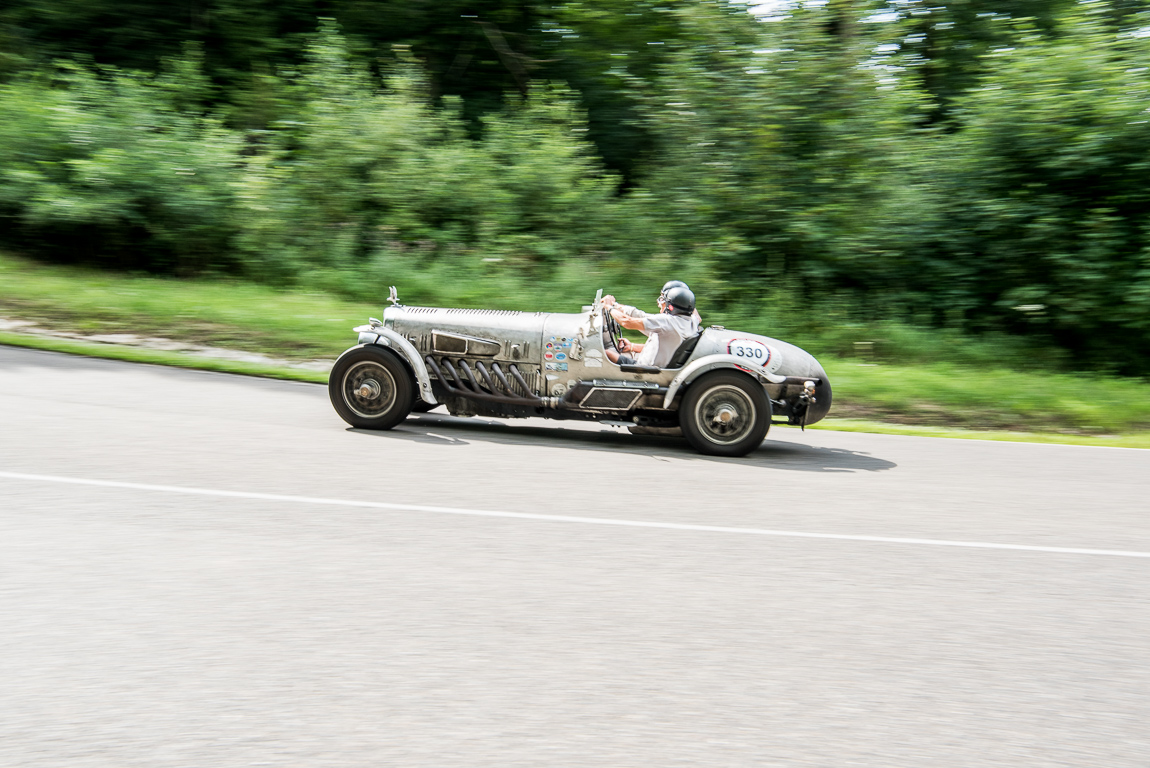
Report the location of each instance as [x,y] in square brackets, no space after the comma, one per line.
[1047,193]
[119,166]
[838,170]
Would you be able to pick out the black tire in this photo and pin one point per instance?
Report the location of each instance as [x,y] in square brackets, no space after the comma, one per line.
[371,388]
[725,413]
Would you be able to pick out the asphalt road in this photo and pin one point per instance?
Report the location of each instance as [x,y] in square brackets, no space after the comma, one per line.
[156,620]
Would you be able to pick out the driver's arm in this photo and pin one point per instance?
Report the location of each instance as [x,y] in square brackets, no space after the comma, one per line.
[628,322]
[626,345]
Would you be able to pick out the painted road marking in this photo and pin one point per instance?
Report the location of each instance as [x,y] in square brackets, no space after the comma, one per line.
[179,489]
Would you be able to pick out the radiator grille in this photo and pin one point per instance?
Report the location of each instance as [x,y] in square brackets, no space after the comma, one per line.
[491,312]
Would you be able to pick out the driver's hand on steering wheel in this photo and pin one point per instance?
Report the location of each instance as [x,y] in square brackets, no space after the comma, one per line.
[608,301]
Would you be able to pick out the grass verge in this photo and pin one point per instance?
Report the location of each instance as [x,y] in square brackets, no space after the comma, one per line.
[159,357]
[1131,440]
[223,313]
[938,399]
[948,395]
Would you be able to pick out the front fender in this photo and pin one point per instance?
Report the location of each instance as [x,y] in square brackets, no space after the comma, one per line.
[711,362]
[389,338]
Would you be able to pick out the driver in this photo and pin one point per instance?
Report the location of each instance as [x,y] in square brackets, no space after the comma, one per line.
[665,331]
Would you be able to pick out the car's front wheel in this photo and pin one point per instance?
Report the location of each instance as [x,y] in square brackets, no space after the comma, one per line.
[370,388]
[725,414]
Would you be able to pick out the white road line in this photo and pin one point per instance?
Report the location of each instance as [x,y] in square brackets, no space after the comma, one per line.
[562,518]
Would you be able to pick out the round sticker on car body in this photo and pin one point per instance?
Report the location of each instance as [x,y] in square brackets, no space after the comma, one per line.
[753,351]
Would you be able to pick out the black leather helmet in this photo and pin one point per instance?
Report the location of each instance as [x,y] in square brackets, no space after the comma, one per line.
[679,300]
[668,286]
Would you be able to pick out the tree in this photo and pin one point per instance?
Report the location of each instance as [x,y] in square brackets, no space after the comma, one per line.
[1047,186]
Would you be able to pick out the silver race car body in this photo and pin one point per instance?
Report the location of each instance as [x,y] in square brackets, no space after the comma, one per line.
[554,365]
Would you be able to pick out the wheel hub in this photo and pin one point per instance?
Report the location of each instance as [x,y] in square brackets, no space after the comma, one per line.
[369,389]
[725,415]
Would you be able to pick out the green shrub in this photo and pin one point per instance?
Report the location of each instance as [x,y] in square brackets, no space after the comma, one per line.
[119,168]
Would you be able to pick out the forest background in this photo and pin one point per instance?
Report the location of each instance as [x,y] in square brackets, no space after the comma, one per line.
[909,173]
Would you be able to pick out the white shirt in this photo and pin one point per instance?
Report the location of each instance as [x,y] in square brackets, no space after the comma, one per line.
[664,335]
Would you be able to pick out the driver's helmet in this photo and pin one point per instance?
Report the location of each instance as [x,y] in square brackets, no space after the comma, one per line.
[680,300]
[668,286]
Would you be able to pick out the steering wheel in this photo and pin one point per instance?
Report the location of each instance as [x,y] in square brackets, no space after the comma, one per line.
[612,330]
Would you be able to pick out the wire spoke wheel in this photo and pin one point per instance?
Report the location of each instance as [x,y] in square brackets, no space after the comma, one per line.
[725,413]
[370,388]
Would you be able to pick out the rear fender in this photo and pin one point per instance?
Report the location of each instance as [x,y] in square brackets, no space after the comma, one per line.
[709,363]
[385,337]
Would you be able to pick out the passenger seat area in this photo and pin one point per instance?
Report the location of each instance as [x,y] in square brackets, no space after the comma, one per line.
[683,353]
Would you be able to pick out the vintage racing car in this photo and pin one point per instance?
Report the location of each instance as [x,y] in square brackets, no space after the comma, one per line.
[722,388]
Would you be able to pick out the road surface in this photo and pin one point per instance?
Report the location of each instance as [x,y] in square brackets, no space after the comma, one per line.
[207,570]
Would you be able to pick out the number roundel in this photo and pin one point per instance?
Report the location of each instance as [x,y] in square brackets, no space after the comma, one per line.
[753,351]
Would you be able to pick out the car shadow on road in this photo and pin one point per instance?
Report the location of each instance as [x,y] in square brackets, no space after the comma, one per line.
[440,429]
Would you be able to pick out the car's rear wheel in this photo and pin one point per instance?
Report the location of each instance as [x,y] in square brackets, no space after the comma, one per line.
[370,388]
[725,414]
